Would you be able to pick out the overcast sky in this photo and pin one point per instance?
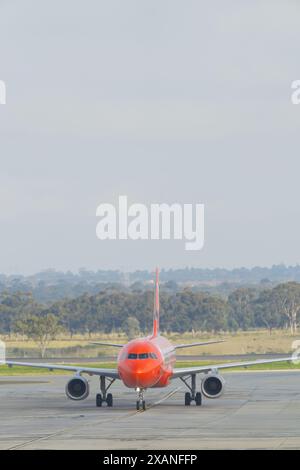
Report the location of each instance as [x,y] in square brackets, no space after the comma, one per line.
[163,101]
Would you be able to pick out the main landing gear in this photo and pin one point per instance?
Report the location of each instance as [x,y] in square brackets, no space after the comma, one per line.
[192,395]
[104,396]
[140,404]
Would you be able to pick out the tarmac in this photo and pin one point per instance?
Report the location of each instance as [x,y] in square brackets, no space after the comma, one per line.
[259,410]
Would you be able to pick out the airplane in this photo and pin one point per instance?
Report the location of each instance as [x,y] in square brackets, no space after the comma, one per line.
[148,363]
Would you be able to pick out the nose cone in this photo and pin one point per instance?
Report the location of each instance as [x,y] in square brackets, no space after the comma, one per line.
[134,374]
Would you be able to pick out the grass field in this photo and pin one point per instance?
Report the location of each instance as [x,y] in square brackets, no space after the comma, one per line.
[240,343]
[249,342]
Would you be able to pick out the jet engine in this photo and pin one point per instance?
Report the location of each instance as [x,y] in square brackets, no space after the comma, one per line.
[77,388]
[213,386]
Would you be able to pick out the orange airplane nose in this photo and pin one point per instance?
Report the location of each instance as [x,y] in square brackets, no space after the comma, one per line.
[145,379]
[133,375]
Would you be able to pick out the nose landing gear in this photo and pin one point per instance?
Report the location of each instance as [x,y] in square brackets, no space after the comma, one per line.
[140,404]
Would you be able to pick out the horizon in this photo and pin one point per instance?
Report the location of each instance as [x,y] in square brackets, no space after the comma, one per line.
[150,271]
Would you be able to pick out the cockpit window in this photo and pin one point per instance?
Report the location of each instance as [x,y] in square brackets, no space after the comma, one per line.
[143,356]
[132,356]
[153,355]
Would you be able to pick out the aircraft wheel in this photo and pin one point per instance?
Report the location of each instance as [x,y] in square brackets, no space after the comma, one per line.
[109,400]
[99,399]
[198,399]
[187,399]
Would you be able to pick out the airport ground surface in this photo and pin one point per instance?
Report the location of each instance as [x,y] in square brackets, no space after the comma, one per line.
[258,410]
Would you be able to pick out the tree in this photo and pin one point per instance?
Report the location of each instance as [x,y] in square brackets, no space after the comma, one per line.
[13,305]
[131,327]
[287,301]
[213,313]
[266,311]
[40,328]
[240,304]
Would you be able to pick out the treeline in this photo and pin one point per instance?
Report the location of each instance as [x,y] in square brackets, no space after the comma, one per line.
[51,285]
[181,311]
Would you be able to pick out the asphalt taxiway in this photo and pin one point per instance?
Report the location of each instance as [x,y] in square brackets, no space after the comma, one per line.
[259,410]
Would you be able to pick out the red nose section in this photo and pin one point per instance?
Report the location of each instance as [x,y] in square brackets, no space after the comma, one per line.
[136,375]
[140,364]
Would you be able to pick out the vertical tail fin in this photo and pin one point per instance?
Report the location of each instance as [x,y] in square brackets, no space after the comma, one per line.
[156,305]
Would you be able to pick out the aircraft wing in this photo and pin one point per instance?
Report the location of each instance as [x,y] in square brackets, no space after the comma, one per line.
[111,373]
[114,345]
[182,372]
[203,343]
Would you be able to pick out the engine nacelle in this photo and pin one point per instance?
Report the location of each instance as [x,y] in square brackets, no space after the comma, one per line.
[77,388]
[213,386]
